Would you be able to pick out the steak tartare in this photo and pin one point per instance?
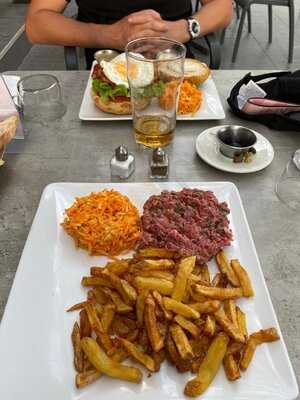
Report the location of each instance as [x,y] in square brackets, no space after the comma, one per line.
[190,222]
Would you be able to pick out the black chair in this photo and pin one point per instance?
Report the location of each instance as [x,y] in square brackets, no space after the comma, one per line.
[211,40]
[246,10]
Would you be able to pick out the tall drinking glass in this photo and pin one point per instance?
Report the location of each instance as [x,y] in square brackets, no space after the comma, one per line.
[155,69]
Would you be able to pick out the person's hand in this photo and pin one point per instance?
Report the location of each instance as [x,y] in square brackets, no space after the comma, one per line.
[178,30]
[136,25]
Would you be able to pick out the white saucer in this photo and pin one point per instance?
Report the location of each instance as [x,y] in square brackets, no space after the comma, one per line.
[207,148]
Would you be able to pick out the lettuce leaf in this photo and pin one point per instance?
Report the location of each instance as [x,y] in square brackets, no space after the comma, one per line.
[152,90]
[107,92]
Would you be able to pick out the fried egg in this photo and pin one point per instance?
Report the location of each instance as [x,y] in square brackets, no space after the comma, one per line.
[141,73]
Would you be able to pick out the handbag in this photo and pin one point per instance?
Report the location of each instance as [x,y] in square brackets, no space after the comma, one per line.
[280,109]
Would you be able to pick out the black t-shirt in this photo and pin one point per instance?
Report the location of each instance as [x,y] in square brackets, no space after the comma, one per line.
[107,11]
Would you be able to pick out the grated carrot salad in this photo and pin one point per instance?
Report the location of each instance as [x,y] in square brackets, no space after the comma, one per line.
[104,223]
[190,98]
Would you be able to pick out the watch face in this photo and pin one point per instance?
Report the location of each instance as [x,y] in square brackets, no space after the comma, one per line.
[195,28]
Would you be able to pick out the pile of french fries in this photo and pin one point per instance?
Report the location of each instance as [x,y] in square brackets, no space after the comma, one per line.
[156,306]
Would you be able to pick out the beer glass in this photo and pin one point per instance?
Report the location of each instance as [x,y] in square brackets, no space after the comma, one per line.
[155,69]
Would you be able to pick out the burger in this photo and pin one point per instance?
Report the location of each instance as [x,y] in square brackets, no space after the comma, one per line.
[110,89]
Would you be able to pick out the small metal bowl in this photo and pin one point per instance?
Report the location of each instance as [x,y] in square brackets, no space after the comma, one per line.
[235,140]
[106,55]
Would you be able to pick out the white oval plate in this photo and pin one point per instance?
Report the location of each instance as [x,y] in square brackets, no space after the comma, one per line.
[207,148]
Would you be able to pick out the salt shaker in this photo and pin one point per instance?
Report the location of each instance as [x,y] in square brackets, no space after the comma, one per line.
[159,164]
[122,163]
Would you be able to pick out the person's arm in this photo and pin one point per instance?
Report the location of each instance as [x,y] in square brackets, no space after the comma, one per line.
[212,16]
[45,24]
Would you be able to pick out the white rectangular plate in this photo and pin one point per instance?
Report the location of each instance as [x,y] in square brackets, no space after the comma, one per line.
[35,347]
[211,108]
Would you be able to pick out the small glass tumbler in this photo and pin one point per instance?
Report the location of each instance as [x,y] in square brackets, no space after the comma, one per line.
[288,186]
[40,98]
[155,68]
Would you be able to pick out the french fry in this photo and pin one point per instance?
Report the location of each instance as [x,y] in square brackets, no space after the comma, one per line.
[159,301]
[204,273]
[151,325]
[78,306]
[121,307]
[200,345]
[96,281]
[174,356]
[156,274]
[226,269]
[84,324]
[188,325]
[265,336]
[158,359]
[209,367]
[248,353]
[217,293]
[199,298]
[87,366]
[243,278]
[94,271]
[106,365]
[100,296]
[231,368]
[78,354]
[231,311]
[206,307]
[185,268]
[163,327]
[83,379]
[129,292]
[138,355]
[140,306]
[217,279]
[180,308]
[161,285]
[143,341]
[104,340]
[234,348]
[93,317]
[198,279]
[181,341]
[262,336]
[209,326]
[242,322]
[107,316]
[161,265]
[228,326]
[152,252]
[196,363]
[119,267]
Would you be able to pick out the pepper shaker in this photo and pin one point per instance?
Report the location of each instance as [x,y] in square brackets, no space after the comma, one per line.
[122,163]
[159,164]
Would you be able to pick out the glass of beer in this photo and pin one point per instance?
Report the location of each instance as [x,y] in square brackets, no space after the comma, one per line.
[155,71]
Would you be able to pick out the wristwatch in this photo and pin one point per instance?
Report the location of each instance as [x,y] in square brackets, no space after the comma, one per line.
[193,28]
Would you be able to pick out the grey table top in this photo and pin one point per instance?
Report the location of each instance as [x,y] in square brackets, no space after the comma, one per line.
[72,151]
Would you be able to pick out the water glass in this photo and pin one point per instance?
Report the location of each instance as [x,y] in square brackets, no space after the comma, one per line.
[40,98]
[288,186]
[155,68]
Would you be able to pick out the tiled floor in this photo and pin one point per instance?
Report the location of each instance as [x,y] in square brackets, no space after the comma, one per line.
[255,52]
